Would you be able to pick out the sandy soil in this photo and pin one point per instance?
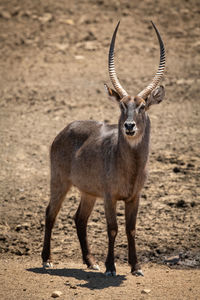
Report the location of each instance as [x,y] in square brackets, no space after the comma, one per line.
[53,63]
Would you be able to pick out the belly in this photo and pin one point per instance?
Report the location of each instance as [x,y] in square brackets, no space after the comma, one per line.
[86,175]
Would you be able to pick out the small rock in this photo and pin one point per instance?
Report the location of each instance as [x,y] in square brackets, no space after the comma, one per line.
[138,273]
[5,14]
[73,286]
[22,226]
[19,252]
[68,21]
[47,17]
[146,291]
[22,13]
[79,57]
[173,260]
[18,227]
[15,10]
[84,19]
[25,225]
[62,47]
[56,294]
[90,45]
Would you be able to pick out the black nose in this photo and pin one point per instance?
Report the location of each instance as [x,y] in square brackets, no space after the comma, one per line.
[129,125]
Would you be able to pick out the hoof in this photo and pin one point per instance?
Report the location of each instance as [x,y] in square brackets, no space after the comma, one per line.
[95,267]
[110,273]
[47,265]
[138,273]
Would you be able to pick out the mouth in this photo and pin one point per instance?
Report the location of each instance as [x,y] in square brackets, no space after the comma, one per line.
[130,133]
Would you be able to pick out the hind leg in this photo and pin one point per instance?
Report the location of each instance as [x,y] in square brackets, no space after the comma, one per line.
[81,218]
[59,190]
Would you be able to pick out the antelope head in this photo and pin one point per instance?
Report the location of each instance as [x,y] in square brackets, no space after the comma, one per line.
[133,109]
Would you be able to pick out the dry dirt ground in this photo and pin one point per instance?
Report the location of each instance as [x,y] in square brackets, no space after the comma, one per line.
[53,63]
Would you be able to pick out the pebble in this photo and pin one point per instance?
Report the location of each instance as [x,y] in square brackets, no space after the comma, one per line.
[173,260]
[5,14]
[146,291]
[90,45]
[74,287]
[56,294]
[47,17]
[68,22]
[62,47]
[18,227]
[22,226]
[79,57]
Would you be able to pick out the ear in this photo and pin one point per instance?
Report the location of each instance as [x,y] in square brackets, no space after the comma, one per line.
[156,96]
[112,94]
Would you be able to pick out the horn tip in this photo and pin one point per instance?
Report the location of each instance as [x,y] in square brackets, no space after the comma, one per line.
[118,24]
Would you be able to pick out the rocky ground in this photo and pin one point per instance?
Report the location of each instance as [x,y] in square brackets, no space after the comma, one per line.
[53,63]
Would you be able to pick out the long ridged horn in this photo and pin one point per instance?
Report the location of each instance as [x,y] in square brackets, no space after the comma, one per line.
[111,67]
[144,93]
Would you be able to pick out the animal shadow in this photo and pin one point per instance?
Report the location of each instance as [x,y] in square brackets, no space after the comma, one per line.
[93,280]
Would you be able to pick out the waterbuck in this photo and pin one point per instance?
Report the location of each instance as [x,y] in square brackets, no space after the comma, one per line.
[107,161]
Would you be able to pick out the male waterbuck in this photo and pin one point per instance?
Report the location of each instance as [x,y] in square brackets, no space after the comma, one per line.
[107,161]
